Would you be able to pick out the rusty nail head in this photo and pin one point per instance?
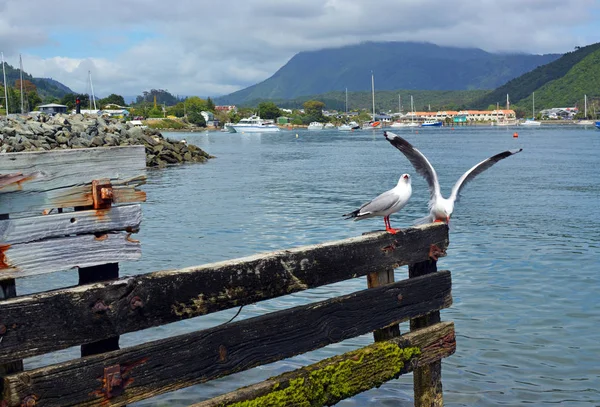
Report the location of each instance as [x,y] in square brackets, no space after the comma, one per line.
[136,302]
[29,401]
[112,379]
[399,297]
[102,193]
[99,306]
[2,329]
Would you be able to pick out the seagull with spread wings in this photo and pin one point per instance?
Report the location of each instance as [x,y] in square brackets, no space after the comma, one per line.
[440,208]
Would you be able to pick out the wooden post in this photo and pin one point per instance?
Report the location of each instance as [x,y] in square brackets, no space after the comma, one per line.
[427,380]
[8,289]
[94,274]
[377,279]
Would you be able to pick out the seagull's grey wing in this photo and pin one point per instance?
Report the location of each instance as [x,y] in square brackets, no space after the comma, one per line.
[418,160]
[380,204]
[478,169]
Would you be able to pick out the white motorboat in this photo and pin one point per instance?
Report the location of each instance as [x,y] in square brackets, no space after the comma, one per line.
[345,127]
[315,126]
[254,124]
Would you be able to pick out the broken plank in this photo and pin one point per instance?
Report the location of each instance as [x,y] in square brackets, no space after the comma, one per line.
[173,295]
[26,259]
[23,230]
[168,364]
[331,380]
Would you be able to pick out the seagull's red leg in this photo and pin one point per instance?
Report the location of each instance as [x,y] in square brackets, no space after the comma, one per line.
[388,226]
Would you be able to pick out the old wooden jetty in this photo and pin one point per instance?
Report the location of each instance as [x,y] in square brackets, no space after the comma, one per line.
[78,209]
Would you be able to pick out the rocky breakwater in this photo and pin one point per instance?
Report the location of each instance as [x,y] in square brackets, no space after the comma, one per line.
[23,133]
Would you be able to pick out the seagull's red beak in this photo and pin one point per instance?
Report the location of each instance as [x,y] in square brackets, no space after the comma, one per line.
[406,177]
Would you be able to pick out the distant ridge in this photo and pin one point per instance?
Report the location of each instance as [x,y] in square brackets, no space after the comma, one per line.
[521,88]
[47,88]
[582,78]
[397,65]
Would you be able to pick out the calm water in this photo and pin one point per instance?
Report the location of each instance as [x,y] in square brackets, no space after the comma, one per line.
[524,248]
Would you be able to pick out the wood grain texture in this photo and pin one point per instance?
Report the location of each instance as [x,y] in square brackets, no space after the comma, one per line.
[23,230]
[26,259]
[368,367]
[427,382]
[168,296]
[62,178]
[165,365]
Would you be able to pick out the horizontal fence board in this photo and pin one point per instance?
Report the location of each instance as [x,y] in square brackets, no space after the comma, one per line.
[62,178]
[42,202]
[26,259]
[23,230]
[165,365]
[331,380]
[168,296]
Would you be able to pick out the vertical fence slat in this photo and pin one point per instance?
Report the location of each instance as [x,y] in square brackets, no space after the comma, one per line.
[427,380]
[8,289]
[377,279]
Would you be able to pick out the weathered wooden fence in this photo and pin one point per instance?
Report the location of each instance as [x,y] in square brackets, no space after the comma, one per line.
[74,209]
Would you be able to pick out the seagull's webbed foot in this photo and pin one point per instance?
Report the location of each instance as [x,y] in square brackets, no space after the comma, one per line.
[392,230]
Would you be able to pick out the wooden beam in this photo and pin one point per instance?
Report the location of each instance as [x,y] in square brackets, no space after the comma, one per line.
[62,178]
[169,296]
[156,367]
[27,259]
[377,279]
[334,379]
[427,383]
[23,230]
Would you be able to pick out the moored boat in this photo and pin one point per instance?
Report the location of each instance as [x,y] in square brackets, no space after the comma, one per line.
[431,123]
[597,124]
[253,124]
[315,126]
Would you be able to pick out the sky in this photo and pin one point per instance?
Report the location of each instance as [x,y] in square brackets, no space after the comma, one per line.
[212,48]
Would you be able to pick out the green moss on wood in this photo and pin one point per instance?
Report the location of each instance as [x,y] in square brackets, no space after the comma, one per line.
[335,379]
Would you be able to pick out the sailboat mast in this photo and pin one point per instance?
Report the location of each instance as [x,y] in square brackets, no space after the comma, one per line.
[412,109]
[5,85]
[399,104]
[533,108]
[585,104]
[507,102]
[93,98]
[346,102]
[21,77]
[373,93]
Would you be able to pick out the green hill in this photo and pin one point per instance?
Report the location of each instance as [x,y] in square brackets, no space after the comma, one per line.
[521,88]
[396,65]
[47,89]
[385,100]
[582,79]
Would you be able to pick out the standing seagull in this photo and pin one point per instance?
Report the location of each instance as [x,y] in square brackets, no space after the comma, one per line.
[385,204]
[441,208]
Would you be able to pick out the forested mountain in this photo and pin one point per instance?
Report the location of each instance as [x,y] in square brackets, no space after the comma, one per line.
[582,78]
[521,88]
[396,65]
[47,88]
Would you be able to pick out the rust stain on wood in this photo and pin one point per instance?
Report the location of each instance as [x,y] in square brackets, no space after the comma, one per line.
[101,237]
[115,380]
[129,239]
[3,262]
[16,178]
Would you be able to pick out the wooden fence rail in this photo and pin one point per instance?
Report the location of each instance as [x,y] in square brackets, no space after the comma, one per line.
[93,235]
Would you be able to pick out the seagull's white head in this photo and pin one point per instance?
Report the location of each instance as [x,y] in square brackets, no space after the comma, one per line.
[404,179]
[442,209]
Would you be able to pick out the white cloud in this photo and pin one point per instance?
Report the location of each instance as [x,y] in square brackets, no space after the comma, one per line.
[213,48]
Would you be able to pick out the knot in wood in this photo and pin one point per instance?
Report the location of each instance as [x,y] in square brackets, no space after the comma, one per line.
[2,329]
[29,401]
[99,306]
[136,302]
